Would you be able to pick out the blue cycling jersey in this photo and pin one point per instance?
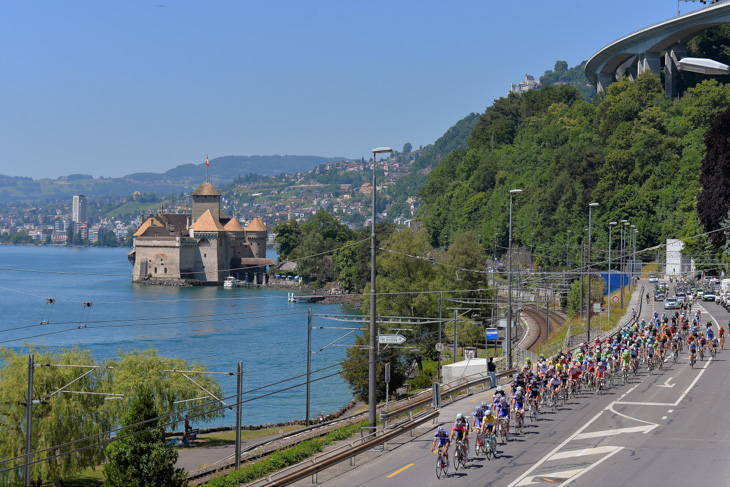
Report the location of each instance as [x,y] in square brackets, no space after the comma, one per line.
[443,437]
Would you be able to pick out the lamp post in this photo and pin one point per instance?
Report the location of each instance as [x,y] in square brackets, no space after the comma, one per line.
[636,237]
[509,290]
[631,258]
[610,228]
[373,355]
[621,265]
[588,270]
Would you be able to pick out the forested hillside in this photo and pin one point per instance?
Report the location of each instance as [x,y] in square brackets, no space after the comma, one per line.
[632,150]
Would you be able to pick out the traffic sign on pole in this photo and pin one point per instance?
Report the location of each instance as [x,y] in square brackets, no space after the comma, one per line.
[391,339]
[615,299]
[491,333]
[387,372]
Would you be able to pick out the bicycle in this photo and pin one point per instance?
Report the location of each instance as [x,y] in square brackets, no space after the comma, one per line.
[625,374]
[702,354]
[503,422]
[442,463]
[692,360]
[479,444]
[491,446]
[519,421]
[675,356]
[459,455]
[533,410]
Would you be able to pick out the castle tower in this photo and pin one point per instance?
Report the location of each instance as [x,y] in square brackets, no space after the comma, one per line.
[206,198]
[256,234]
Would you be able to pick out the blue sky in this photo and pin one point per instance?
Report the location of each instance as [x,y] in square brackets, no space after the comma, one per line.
[111,87]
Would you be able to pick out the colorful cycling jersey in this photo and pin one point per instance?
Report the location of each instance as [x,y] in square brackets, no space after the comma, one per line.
[489,418]
[554,383]
[710,334]
[442,438]
[693,345]
[497,396]
[459,431]
[503,410]
[519,401]
[479,416]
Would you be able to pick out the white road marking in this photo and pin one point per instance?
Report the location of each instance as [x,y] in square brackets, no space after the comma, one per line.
[610,407]
[618,431]
[586,451]
[561,475]
[519,479]
[682,396]
[591,467]
[671,411]
[667,384]
[664,417]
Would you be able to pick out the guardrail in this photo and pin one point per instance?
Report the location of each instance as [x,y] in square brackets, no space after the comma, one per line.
[349,451]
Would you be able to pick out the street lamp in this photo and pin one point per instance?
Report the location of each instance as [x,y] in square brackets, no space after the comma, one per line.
[509,290]
[610,228]
[373,355]
[621,265]
[588,270]
[567,250]
[631,259]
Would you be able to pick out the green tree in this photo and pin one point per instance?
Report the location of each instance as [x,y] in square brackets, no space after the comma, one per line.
[407,148]
[597,290]
[61,418]
[355,368]
[142,458]
[713,202]
[288,238]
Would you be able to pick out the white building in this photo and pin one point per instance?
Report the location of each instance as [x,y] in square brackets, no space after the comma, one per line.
[79,209]
[676,262]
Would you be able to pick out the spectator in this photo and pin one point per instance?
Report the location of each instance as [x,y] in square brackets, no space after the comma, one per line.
[492,369]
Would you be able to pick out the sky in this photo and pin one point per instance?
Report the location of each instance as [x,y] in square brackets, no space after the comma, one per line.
[113,87]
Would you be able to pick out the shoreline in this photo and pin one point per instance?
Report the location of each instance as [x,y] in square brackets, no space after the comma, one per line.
[254,427]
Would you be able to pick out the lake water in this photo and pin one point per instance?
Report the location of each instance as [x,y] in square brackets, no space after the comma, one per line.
[214,326]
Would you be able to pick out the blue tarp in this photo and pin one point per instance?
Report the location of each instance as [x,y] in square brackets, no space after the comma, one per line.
[615,281]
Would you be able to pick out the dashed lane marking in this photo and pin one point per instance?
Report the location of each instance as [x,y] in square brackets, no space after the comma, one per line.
[597,434]
[583,452]
[400,470]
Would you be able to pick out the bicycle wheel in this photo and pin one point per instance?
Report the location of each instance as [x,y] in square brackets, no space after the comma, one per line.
[439,466]
[457,454]
[488,449]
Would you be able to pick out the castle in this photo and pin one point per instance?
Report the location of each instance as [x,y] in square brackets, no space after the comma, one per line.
[204,246]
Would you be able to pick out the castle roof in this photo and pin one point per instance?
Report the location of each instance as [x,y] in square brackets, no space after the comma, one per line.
[206,223]
[257,225]
[234,225]
[206,189]
[149,223]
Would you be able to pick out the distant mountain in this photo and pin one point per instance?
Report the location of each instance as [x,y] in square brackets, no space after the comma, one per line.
[223,170]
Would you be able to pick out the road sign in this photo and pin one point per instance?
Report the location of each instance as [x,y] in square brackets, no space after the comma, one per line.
[491,334]
[439,347]
[387,372]
[391,339]
[614,299]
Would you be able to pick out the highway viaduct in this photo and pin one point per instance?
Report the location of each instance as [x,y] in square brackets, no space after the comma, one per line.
[640,51]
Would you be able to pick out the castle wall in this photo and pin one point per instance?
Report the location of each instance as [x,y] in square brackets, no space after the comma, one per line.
[212,257]
[157,257]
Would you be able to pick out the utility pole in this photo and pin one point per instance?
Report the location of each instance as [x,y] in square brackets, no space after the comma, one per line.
[548,295]
[309,362]
[441,345]
[588,269]
[582,246]
[29,420]
[456,334]
[239,406]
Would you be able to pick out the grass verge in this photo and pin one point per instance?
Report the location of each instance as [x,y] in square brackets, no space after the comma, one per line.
[283,458]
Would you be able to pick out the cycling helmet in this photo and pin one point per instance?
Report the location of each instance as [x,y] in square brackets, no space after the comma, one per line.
[459,416]
[488,410]
[502,399]
[518,390]
[477,409]
[484,405]
[499,388]
[441,430]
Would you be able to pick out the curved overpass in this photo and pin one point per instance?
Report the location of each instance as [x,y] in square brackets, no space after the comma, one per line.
[639,51]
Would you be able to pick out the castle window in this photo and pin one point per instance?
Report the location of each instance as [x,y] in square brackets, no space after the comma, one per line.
[205,255]
[155,270]
[165,270]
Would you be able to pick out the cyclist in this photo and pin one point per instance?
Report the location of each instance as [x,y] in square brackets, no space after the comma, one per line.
[533,395]
[442,438]
[460,430]
[692,346]
[503,412]
[498,395]
[722,337]
[518,405]
[647,298]
[489,422]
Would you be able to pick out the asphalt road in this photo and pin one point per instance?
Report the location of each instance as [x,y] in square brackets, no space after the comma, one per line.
[670,428]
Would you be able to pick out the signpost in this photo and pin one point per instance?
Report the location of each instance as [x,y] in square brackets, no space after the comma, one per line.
[391,339]
[387,383]
[491,334]
[615,299]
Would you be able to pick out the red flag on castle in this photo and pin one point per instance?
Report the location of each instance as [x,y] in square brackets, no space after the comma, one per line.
[206,161]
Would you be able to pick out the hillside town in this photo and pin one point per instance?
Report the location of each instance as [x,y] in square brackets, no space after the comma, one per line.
[341,187]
